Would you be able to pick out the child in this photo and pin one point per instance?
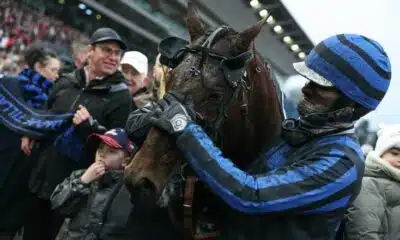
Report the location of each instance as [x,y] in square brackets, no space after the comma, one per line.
[95,199]
[375,212]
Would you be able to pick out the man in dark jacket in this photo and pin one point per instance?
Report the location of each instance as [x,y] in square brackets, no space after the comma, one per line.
[100,88]
[307,183]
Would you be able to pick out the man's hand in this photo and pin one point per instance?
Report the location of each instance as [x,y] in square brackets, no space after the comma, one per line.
[81,115]
[94,172]
[172,116]
[26,145]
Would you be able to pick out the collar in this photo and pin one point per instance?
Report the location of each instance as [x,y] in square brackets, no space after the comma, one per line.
[85,69]
[328,127]
[79,78]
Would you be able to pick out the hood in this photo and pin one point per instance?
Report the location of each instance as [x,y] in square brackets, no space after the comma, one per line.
[375,166]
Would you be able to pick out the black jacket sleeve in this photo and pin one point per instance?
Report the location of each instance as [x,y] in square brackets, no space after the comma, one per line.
[118,110]
[138,124]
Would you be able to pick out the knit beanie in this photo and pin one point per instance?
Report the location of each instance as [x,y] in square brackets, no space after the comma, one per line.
[388,137]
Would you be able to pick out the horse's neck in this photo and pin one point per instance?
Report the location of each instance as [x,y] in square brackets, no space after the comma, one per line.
[246,136]
[265,105]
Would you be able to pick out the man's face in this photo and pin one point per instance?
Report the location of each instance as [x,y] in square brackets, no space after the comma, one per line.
[104,58]
[134,78]
[317,99]
[80,59]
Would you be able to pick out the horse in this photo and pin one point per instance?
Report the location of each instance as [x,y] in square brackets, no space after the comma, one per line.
[236,99]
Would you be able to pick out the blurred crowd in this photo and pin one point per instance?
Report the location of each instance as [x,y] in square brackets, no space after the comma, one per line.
[20,27]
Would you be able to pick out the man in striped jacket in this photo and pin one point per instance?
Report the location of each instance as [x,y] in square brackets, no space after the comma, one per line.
[310,179]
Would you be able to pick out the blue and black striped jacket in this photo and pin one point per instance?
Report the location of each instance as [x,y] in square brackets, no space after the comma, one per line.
[302,194]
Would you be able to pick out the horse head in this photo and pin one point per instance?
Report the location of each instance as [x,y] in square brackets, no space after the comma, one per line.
[217,72]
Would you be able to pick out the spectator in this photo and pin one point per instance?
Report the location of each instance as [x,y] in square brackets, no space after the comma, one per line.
[79,54]
[43,61]
[376,211]
[36,83]
[101,88]
[160,75]
[95,199]
[134,66]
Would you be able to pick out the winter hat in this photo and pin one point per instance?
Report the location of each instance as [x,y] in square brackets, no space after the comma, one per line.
[115,138]
[388,137]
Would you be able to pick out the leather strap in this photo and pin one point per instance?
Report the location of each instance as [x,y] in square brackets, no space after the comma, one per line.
[188,204]
[188,222]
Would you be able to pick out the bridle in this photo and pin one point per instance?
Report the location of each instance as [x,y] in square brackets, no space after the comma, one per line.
[173,50]
[234,70]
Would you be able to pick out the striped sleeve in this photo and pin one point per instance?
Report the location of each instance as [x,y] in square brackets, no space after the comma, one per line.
[320,182]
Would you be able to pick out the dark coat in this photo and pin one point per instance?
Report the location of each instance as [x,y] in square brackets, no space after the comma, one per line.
[98,210]
[375,212]
[15,166]
[107,100]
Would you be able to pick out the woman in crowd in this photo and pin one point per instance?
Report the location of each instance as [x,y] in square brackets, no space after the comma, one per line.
[160,75]
[36,82]
[376,211]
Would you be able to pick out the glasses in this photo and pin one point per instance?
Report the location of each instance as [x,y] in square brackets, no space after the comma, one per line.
[110,51]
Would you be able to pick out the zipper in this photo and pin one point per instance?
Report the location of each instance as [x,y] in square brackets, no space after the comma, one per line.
[71,108]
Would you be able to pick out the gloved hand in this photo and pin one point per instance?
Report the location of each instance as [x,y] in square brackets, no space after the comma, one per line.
[138,124]
[172,116]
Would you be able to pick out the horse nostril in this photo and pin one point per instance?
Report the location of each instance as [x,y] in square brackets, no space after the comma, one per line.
[147,185]
[214,97]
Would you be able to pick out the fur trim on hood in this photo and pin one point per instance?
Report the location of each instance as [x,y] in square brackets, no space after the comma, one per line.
[375,166]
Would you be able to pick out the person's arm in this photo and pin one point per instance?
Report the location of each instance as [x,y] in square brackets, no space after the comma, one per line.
[319,182]
[364,217]
[118,110]
[138,123]
[70,195]
[316,183]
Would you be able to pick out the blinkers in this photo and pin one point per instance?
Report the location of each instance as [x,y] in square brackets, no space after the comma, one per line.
[174,49]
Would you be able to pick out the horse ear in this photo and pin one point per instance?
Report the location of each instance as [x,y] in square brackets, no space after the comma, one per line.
[246,37]
[194,23]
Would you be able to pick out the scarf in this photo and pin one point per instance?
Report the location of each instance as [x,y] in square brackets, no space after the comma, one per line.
[19,116]
[35,88]
[296,132]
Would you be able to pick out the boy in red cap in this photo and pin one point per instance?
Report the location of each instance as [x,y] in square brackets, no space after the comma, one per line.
[95,199]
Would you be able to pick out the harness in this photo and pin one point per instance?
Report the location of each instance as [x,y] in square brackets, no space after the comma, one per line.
[172,51]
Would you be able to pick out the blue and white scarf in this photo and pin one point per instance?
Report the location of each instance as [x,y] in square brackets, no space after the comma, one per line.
[25,118]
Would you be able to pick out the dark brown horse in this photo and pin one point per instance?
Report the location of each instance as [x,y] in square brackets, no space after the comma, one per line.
[242,112]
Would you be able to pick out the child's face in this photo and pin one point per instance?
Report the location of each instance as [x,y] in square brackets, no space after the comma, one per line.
[111,157]
[392,156]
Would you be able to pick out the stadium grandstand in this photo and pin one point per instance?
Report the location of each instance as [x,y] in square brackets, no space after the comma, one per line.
[66,24]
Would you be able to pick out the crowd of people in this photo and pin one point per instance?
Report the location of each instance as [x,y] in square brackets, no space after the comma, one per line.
[21,26]
[318,183]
